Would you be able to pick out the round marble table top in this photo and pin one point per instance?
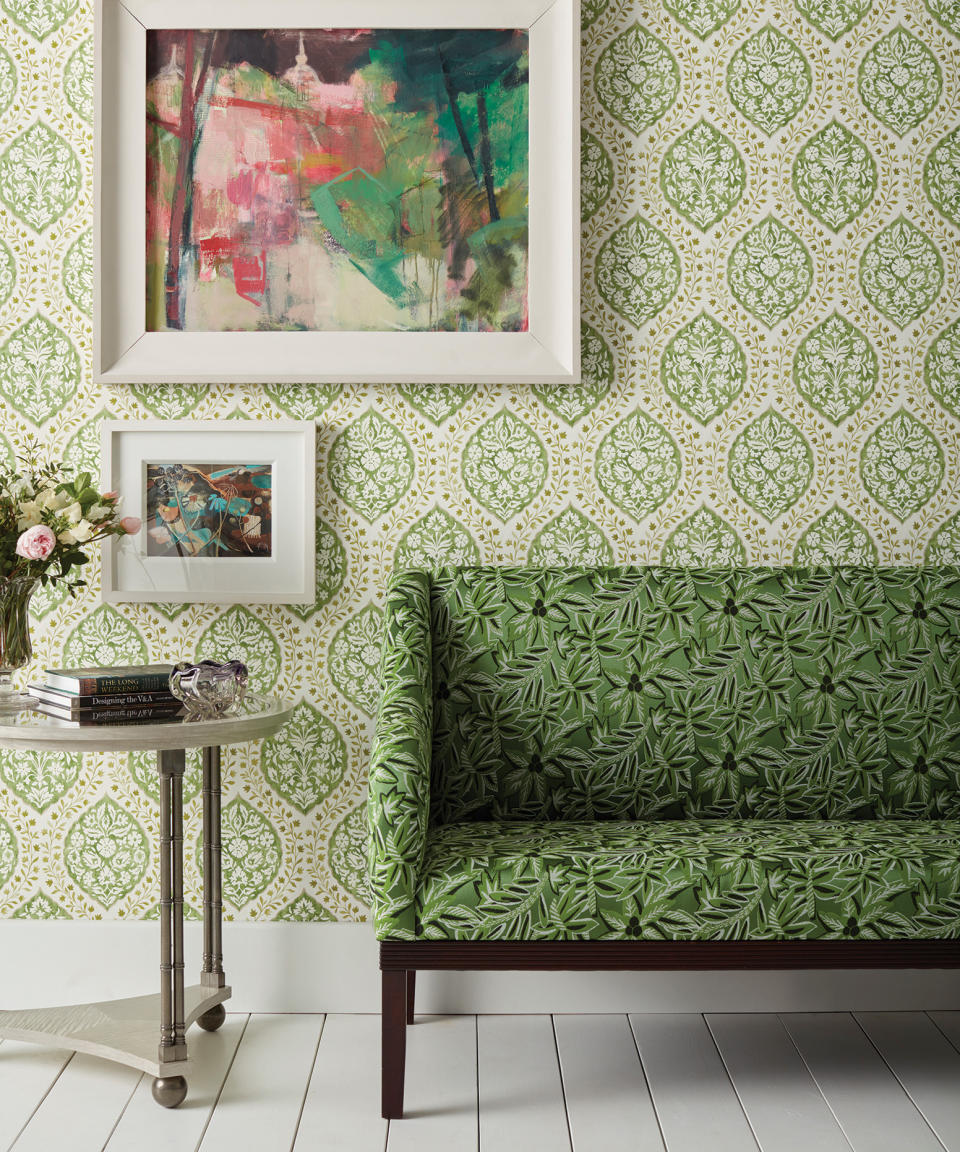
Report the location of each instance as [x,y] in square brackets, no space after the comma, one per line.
[259,716]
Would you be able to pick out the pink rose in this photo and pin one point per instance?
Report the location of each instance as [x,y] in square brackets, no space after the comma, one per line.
[36,543]
[131,525]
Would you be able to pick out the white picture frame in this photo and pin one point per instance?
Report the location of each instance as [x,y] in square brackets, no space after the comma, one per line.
[123,352]
[285,576]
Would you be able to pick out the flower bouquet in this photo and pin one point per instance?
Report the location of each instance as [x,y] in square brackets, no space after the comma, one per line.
[49,513]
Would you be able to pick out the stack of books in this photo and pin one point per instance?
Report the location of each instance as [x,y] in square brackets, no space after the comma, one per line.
[134,694]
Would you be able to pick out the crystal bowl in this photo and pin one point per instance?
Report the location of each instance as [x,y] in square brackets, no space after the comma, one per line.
[208,689]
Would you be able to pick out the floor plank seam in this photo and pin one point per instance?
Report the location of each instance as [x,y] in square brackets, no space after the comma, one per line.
[50,1087]
[306,1089]
[223,1083]
[733,1083]
[646,1081]
[563,1087]
[893,1073]
[935,1023]
[806,1064]
[816,1084]
[126,1105]
[476,1039]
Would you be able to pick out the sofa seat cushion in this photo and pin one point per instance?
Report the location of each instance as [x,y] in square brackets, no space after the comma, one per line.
[691,880]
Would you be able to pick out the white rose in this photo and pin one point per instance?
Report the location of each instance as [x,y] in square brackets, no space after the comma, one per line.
[100,512]
[83,531]
[74,513]
[67,536]
[28,514]
[49,498]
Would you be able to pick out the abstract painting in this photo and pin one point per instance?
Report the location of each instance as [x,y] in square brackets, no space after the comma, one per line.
[337,180]
[214,510]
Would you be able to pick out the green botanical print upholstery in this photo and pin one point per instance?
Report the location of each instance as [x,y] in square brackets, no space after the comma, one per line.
[632,693]
[691,880]
[592,752]
[399,800]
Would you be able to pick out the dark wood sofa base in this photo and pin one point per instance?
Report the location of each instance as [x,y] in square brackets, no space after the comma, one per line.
[400,961]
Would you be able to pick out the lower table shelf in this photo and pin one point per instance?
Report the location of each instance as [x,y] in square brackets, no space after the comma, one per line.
[120,1030]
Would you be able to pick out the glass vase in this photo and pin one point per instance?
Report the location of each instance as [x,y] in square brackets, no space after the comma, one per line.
[15,649]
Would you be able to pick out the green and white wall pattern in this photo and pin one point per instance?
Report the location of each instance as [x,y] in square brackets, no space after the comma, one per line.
[771,339]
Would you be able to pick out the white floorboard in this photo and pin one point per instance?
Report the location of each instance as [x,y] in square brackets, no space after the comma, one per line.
[832,1082]
[342,1108]
[81,1109]
[694,1098]
[949,1024]
[608,1102]
[520,1092]
[925,1063]
[264,1093]
[26,1074]
[440,1100]
[874,1111]
[784,1106]
[144,1127]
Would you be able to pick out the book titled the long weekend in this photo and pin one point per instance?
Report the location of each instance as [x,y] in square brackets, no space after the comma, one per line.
[105,681]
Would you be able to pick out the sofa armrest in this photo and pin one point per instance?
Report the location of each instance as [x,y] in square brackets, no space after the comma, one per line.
[399,805]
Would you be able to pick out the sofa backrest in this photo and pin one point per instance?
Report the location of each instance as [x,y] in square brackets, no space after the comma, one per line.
[627,693]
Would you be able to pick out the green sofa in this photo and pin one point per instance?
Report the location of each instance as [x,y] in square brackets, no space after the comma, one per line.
[651,767]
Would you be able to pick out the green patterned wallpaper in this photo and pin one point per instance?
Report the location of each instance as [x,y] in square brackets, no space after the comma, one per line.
[771,215]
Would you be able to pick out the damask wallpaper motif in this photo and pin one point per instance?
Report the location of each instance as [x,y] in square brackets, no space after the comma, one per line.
[771,344]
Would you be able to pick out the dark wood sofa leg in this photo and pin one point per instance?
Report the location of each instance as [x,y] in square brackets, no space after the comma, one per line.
[394,1051]
[411,992]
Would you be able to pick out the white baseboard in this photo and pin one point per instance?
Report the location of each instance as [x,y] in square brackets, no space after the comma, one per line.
[333,968]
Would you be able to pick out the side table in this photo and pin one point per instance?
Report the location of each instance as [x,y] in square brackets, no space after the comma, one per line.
[128,1030]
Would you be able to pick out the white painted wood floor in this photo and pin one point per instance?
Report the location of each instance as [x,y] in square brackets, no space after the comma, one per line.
[826,1082]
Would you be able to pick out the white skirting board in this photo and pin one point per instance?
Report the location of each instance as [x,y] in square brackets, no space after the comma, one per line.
[333,968]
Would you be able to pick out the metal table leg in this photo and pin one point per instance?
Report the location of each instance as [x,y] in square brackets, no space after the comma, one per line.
[171,1090]
[212,975]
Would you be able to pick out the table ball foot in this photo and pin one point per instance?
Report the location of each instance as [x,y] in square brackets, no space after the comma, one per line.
[212,1019]
[169,1091]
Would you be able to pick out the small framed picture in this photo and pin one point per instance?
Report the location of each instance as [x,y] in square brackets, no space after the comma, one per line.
[227,511]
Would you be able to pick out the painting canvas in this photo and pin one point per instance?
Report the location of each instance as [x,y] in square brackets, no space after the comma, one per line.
[337,180]
[209,510]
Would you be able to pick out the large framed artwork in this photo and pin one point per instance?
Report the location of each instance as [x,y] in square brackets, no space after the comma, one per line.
[336,190]
[227,511]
